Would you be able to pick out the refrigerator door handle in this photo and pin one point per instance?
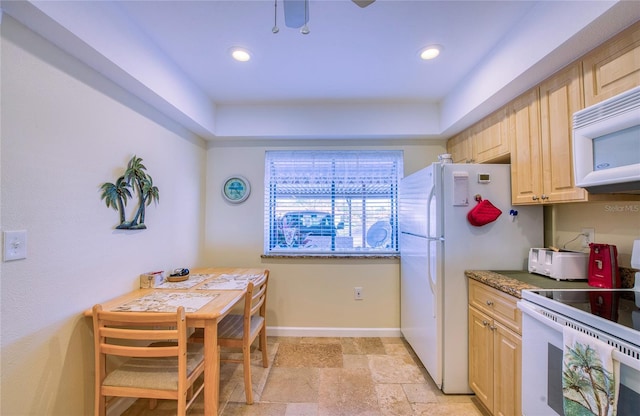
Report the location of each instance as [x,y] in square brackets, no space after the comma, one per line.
[430,275]
[430,198]
[432,253]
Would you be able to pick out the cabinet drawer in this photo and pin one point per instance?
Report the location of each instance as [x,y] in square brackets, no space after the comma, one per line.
[497,304]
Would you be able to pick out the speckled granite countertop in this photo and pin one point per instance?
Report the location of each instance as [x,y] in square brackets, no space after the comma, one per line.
[513,282]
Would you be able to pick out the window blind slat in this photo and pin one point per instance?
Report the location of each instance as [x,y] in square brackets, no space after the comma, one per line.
[331,201]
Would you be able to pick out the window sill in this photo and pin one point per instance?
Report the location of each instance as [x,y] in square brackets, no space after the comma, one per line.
[331,256]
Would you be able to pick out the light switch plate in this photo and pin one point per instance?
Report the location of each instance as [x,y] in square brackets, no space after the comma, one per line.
[15,245]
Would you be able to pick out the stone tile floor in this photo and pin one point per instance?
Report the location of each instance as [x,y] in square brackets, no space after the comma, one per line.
[331,377]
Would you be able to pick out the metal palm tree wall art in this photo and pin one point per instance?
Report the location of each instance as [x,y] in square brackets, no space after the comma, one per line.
[116,195]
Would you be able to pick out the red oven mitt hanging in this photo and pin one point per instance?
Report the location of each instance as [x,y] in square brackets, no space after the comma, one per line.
[483,213]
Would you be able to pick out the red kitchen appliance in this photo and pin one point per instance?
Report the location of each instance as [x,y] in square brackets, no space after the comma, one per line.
[603,266]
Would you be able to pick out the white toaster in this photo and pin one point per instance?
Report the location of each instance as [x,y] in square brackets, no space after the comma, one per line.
[559,265]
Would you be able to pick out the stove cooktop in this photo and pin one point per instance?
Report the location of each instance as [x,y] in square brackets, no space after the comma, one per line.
[615,311]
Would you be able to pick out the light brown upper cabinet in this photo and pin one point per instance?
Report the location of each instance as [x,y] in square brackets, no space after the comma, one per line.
[541,153]
[613,67]
[560,97]
[460,147]
[485,142]
[534,131]
[491,139]
[526,153]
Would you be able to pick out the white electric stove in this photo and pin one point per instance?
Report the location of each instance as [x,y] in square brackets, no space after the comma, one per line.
[610,315]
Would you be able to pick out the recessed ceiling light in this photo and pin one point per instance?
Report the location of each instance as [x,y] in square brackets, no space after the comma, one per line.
[240,54]
[430,52]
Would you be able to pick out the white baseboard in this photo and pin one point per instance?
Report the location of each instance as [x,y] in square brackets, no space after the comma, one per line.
[289,331]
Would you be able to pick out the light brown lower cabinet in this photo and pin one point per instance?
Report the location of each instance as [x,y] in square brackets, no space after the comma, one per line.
[495,349]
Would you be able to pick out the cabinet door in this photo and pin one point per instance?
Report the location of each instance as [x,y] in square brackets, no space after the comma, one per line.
[460,147]
[491,141]
[526,163]
[507,372]
[560,97]
[481,356]
[613,67]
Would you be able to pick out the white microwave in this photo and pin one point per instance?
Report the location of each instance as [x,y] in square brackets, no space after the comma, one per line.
[606,145]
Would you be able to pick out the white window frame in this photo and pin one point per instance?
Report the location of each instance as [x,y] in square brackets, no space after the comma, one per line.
[301,186]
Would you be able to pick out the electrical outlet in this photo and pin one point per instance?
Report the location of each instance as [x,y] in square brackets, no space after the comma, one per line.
[588,236]
[358,294]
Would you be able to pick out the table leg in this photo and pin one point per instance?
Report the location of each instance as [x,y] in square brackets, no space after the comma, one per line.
[211,368]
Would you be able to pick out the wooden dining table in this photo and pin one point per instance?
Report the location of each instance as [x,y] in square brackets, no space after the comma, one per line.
[207,295]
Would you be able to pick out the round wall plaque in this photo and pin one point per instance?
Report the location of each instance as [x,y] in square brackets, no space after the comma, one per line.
[236,189]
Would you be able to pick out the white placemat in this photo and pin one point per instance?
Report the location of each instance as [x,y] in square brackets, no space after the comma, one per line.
[167,302]
[230,282]
[194,279]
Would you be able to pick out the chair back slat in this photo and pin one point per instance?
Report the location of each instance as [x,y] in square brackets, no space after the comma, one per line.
[255,307]
[139,351]
[135,333]
[155,347]
[256,295]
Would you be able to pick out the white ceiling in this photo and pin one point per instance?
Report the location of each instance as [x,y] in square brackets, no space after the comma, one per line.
[356,74]
[350,54]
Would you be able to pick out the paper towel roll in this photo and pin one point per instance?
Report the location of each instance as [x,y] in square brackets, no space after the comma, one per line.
[635,255]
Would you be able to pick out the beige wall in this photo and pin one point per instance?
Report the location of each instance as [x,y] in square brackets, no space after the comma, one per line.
[313,297]
[615,222]
[65,131]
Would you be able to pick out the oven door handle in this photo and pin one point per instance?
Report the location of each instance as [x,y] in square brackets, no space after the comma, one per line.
[535,313]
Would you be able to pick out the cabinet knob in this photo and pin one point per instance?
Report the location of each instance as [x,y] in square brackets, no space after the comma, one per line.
[544,196]
[487,323]
[489,303]
[535,198]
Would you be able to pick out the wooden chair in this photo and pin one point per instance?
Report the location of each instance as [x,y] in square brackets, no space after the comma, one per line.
[152,364]
[240,331]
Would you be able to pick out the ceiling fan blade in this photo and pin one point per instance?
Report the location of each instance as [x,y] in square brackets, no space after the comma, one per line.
[295,15]
[363,3]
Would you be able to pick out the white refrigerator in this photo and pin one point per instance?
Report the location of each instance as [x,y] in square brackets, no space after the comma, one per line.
[437,244]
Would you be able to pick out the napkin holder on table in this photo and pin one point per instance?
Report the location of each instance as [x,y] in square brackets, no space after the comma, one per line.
[151,279]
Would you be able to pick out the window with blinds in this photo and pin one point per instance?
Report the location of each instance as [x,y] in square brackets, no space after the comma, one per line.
[332,202]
